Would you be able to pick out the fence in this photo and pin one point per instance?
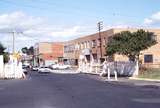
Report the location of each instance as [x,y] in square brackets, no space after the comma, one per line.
[11,70]
[122,68]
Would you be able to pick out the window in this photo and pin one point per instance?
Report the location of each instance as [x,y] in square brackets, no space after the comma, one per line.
[85,44]
[104,41]
[154,37]
[98,42]
[65,49]
[69,48]
[72,48]
[82,45]
[88,44]
[79,46]
[109,39]
[76,46]
[148,58]
[93,43]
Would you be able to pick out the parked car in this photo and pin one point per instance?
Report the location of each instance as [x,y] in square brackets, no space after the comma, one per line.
[25,70]
[35,68]
[44,70]
[60,66]
[26,66]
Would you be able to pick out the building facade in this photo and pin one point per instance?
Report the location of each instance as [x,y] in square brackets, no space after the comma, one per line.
[47,53]
[94,46]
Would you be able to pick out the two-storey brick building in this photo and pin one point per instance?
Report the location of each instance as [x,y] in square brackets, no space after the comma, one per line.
[95,45]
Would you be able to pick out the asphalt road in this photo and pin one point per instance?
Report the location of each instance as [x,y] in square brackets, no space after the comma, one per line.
[75,91]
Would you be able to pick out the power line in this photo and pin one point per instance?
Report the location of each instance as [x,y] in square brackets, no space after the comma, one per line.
[13,39]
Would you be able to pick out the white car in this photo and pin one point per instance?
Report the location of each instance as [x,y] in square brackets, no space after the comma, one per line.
[35,68]
[60,66]
[44,70]
[24,70]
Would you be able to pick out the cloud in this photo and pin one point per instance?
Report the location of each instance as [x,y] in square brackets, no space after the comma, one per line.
[153,19]
[18,21]
[38,29]
[35,29]
[67,32]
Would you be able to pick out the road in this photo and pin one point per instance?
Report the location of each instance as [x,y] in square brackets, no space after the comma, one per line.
[75,91]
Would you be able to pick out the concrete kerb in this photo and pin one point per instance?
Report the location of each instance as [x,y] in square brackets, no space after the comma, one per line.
[144,79]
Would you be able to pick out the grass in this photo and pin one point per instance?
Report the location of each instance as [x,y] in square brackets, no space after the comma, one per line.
[150,74]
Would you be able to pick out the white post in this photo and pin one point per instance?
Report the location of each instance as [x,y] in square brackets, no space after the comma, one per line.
[115,75]
[90,68]
[1,67]
[136,69]
[91,63]
[109,74]
[96,68]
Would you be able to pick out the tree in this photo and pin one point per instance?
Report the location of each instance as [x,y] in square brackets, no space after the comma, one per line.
[5,54]
[130,44]
[31,50]
[24,50]
[2,49]
[28,51]
[6,57]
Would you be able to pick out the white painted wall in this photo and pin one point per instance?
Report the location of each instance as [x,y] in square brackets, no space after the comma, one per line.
[1,67]
[13,69]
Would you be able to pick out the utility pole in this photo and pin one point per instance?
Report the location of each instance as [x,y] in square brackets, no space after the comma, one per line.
[100,27]
[13,39]
[13,42]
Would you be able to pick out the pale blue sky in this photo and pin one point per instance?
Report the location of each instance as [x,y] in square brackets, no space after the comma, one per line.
[85,11]
[60,20]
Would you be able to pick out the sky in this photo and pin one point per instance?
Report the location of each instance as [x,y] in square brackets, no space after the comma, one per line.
[62,20]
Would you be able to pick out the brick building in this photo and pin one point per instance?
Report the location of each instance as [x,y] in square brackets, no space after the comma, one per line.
[46,53]
[95,45]
[86,45]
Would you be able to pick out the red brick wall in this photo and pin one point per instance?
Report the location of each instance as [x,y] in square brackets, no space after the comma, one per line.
[57,51]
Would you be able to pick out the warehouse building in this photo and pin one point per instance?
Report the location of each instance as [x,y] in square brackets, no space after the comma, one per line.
[93,47]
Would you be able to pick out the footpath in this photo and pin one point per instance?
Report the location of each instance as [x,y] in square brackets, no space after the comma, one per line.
[128,81]
[140,82]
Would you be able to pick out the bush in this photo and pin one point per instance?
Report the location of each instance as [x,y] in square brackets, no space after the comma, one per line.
[5,57]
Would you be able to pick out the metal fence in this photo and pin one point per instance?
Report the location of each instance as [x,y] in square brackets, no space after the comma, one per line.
[123,68]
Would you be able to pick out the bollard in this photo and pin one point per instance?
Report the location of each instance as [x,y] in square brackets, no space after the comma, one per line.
[109,74]
[115,75]
[90,69]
